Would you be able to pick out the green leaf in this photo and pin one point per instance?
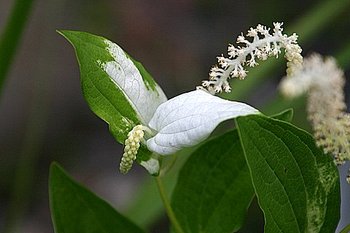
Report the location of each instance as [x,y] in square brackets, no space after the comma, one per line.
[75,209]
[296,184]
[286,115]
[117,88]
[214,188]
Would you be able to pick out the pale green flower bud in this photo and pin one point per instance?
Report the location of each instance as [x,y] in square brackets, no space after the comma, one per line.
[132,144]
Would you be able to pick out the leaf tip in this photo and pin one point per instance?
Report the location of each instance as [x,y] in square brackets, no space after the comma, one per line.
[54,166]
[56,171]
[65,33]
[286,115]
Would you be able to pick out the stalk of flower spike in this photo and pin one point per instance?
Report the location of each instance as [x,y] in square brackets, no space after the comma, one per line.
[262,46]
[324,82]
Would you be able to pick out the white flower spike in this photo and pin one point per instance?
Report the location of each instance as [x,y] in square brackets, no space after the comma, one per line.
[324,83]
[262,45]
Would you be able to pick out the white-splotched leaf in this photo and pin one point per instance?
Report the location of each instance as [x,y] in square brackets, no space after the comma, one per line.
[117,88]
[143,93]
[188,119]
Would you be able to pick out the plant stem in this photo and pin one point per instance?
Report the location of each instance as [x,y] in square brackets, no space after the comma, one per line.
[11,35]
[167,206]
[166,169]
[346,229]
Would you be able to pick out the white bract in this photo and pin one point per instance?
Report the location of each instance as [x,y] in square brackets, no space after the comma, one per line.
[182,121]
[188,119]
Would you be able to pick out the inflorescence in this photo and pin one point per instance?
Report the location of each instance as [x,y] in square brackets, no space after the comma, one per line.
[321,78]
[262,46]
[132,144]
[324,83]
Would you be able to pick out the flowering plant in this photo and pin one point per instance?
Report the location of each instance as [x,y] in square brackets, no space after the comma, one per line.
[294,179]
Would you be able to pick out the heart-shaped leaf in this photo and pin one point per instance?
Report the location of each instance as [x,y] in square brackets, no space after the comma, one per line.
[189,118]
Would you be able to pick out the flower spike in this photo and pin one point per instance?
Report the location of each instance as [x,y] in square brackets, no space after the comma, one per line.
[132,145]
[262,45]
[326,108]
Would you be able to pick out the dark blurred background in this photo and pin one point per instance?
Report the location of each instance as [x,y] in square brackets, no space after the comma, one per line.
[44,118]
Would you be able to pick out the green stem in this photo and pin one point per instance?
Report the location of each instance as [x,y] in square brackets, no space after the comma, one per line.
[346,229]
[146,207]
[170,164]
[11,35]
[167,206]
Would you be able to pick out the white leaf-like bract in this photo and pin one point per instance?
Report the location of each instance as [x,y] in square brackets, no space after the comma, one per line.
[151,165]
[125,74]
[188,119]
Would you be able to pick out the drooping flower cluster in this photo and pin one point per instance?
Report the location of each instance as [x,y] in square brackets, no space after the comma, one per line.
[263,45]
[324,82]
[132,144]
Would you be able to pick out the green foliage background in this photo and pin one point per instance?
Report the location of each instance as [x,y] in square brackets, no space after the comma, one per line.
[44,116]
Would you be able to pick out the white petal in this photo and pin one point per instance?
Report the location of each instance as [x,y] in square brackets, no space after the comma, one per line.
[125,74]
[188,119]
